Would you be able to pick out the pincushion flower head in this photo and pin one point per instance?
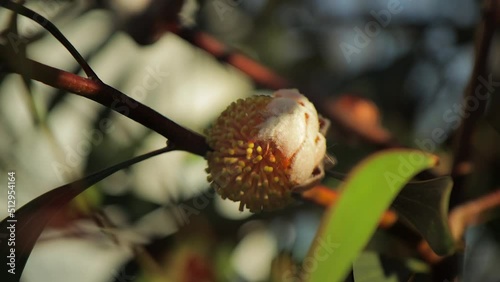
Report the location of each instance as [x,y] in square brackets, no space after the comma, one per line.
[266,147]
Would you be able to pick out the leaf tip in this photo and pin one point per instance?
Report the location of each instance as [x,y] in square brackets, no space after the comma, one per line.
[433,159]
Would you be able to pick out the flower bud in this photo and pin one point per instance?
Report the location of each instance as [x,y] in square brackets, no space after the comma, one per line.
[264,147]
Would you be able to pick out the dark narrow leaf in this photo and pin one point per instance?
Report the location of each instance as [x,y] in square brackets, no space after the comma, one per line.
[424,205]
[30,220]
[368,268]
[50,27]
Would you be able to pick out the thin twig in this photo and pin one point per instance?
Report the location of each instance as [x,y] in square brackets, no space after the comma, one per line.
[182,138]
[462,163]
[265,77]
[50,27]
[261,74]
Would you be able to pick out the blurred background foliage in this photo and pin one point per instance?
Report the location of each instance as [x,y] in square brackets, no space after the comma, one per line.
[158,220]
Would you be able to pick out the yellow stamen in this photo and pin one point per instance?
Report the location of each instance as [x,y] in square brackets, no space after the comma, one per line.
[257,159]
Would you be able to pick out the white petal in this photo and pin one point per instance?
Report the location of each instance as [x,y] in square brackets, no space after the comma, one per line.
[292,123]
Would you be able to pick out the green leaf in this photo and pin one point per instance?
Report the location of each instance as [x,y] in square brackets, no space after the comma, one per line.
[424,205]
[367,193]
[30,219]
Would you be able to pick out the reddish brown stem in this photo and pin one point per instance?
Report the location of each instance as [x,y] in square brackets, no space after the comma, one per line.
[265,77]
[462,163]
[182,138]
[50,27]
[262,75]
